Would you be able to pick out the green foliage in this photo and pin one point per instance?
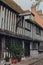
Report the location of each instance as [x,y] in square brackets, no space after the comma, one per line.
[19,52]
[13,50]
[16,51]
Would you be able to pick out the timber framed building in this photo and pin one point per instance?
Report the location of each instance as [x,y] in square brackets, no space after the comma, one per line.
[15,28]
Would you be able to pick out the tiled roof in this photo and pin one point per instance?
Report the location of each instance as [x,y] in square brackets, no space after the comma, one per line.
[37,18]
[39,12]
[13,5]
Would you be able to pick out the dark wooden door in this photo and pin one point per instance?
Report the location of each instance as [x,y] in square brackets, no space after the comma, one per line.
[27,48]
[0,48]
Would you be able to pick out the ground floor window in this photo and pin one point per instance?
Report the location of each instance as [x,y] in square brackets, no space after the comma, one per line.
[34,46]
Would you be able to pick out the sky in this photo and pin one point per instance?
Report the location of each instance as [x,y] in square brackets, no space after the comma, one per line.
[26,4]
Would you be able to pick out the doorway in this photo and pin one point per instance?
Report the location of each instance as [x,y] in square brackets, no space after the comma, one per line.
[0,48]
[27,48]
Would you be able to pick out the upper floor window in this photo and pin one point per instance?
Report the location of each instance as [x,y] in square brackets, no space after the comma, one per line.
[28,26]
[38,31]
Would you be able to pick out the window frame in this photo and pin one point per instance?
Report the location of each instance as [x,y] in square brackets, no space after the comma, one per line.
[34,46]
[39,31]
[28,28]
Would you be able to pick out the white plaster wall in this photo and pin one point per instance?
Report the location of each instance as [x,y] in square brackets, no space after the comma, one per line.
[19,30]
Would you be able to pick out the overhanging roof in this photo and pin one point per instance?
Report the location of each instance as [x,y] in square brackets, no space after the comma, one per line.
[12,5]
[25,13]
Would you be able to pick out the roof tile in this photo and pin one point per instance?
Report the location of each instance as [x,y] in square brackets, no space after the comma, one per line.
[38,19]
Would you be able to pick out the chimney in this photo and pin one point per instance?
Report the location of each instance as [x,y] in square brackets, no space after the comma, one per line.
[33,8]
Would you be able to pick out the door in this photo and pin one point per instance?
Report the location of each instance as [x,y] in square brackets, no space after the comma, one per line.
[0,48]
[27,48]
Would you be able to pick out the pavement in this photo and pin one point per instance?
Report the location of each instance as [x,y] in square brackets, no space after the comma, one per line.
[28,61]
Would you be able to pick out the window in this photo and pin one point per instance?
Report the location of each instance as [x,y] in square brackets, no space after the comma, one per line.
[34,46]
[26,17]
[28,26]
[38,31]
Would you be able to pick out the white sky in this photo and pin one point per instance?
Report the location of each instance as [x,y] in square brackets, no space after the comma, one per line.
[26,4]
